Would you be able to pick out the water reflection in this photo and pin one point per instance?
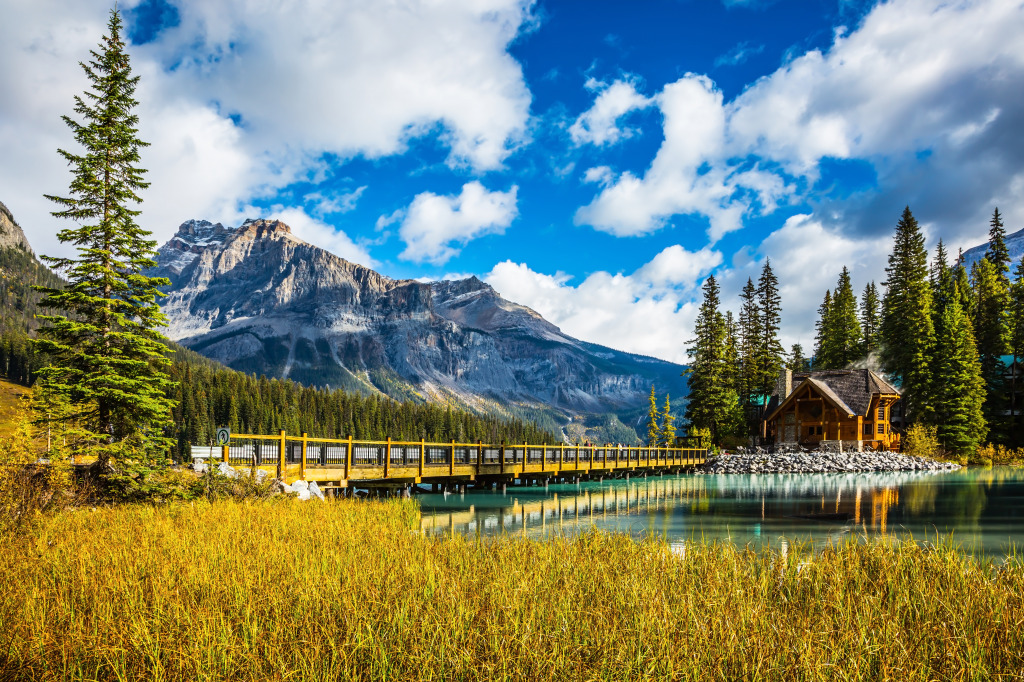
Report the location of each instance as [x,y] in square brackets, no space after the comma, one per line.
[982,508]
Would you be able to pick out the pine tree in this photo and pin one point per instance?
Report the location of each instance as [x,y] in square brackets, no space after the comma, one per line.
[668,421]
[749,341]
[997,253]
[713,404]
[958,389]
[1016,329]
[844,329]
[653,416]
[908,335]
[797,362]
[769,351]
[870,320]
[822,353]
[108,357]
[991,331]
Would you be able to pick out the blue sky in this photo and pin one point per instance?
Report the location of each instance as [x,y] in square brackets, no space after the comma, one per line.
[593,160]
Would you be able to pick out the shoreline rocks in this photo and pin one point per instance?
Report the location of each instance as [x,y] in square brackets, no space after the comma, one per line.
[818,462]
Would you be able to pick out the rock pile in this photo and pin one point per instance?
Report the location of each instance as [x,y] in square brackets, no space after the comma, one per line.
[799,462]
[301,489]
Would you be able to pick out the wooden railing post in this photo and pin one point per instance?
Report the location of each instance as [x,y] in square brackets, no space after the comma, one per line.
[561,456]
[302,466]
[225,453]
[423,455]
[479,455]
[501,453]
[280,456]
[348,458]
[387,458]
[543,457]
[451,460]
[618,454]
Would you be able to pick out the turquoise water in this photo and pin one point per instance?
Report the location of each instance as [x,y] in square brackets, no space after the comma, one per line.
[983,509]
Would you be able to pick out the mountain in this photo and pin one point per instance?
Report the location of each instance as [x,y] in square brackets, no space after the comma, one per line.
[1014,244]
[11,233]
[258,299]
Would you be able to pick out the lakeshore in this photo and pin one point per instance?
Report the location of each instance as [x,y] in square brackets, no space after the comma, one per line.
[345,590]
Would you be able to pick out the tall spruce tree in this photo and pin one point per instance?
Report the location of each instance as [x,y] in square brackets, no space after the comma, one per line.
[991,330]
[958,390]
[668,424]
[749,341]
[997,253]
[908,334]
[653,417]
[822,353]
[1016,324]
[713,404]
[109,360]
[870,320]
[844,327]
[797,362]
[769,350]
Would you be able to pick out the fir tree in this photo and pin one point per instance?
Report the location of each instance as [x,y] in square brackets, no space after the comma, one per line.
[108,357]
[870,320]
[713,404]
[997,253]
[1016,335]
[668,421]
[991,331]
[958,389]
[822,354]
[653,416]
[844,343]
[797,362]
[769,351]
[749,341]
[908,334]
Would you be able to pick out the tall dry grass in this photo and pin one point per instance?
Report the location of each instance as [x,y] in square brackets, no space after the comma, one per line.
[347,590]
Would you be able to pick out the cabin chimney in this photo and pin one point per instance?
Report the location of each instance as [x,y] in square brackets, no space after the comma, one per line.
[784,385]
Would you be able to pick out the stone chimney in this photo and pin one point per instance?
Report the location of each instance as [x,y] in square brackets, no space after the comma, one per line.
[784,384]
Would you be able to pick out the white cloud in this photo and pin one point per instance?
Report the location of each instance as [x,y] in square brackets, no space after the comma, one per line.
[435,226]
[599,125]
[244,97]
[650,311]
[916,77]
[342,203]
[740,53]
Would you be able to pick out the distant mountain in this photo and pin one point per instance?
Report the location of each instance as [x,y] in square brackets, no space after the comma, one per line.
[259,299]
[1014,244]
[11,233]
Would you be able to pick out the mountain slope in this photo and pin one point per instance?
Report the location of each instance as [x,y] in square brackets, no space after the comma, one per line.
[1014,244]
[258,299]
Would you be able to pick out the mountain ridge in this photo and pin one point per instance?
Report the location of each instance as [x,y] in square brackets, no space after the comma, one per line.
[258,299]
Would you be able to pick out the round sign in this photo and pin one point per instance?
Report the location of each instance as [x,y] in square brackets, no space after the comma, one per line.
[223,436]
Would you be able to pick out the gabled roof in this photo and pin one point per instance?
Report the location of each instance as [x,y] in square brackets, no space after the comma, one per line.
[849,390]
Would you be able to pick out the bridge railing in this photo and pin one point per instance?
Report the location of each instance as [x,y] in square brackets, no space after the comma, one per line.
[400,459]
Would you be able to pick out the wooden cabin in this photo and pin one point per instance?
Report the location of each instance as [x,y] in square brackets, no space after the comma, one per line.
[851,406]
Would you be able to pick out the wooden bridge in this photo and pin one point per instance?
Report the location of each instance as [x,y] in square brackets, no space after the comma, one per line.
[345,462]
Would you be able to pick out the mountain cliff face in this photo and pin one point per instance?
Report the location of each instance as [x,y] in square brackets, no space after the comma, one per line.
[11,233]
[258,299]
[1014,244]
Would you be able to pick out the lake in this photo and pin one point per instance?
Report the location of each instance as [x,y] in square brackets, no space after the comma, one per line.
[982,508]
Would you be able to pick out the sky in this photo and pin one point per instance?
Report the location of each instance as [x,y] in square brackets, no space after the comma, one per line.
[593,160]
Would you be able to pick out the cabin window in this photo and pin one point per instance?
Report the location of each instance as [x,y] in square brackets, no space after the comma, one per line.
[881,427]
[819,430]
[810,430]
[881,413]
[868,430]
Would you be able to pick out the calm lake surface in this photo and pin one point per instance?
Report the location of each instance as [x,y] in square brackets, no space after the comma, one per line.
[983,509]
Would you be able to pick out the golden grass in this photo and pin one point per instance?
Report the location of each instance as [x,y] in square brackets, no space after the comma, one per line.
[14,400]
[347,590]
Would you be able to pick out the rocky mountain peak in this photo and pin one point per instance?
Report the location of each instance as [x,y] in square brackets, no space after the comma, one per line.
[193,238]
[11,233]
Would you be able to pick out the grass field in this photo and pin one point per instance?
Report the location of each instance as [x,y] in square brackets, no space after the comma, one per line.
[347,590]
[13,402]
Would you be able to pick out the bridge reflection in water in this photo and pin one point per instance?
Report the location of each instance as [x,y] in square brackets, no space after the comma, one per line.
[756,508]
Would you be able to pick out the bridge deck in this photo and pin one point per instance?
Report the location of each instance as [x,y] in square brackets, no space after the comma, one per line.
[347,461]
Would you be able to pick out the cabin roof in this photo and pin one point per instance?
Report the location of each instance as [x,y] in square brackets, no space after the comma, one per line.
[848,389]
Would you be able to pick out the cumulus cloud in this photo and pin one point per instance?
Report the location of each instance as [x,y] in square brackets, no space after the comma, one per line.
[243,97]
[615,309]
[921,86]
[434,227]
[599,125]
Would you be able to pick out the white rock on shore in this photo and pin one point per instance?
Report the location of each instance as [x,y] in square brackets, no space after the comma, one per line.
[819,462]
